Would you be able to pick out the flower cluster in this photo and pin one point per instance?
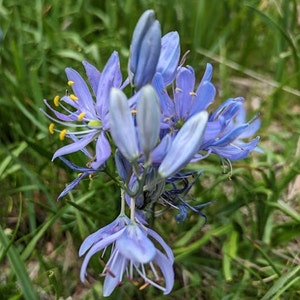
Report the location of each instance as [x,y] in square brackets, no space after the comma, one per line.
[152,135]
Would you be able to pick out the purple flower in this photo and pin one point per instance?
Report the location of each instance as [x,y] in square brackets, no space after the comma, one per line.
[185,101]
[226,130]
[132,252]
[84,119]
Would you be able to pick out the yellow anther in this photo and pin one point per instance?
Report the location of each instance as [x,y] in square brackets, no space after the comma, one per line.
[73,97]
[70,83]
[144,286]
[56,100]
[62,134]
[94,123]
[51,128]
[81,116]
[134,111]
[193,94]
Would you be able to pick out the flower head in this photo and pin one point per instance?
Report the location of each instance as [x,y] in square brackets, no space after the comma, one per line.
[132,252]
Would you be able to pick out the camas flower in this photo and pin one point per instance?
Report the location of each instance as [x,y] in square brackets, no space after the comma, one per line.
[227,128]
[132,252]
[84,119]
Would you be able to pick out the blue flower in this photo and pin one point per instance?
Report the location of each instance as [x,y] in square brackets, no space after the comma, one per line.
[185,101]
[132,252]
[227,128]
[144,50]
[84,119]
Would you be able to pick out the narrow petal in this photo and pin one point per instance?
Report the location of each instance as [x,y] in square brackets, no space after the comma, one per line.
[82,92]
[166,267]
[121,125]
[185,145]
[110,77]
[160,240]
[72,185]
[93,75]
[166,103]
[102,233]
[103,151]
[183,95]
[169,57]
[76,146]
[97,248]
[115,274]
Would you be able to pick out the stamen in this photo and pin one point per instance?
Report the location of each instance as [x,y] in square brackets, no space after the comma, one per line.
[134,111]
[51,128]
[73,97]
[62,134]
[70,83]
[144,286]
[178,90]
[193,94]
[56,100]
[81,116]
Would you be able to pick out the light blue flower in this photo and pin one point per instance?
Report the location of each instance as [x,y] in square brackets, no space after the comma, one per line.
[185,101]
[83,119]
[132,252]
[227,130]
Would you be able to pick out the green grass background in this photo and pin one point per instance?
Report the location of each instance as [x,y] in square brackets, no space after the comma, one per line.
[249,248]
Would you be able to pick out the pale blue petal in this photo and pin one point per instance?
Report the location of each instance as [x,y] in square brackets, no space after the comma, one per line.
[97,248]
[185,145]
[85,100]
[116,270]
[135,245]
[166,267]
[169,57]
[76,146]
[93,75]
[164,245]
[103,151]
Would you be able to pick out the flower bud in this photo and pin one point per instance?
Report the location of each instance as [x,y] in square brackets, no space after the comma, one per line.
[148,119]
[122,126]
[144,50]
[184,146]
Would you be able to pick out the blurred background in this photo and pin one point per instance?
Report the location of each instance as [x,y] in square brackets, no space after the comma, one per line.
[249,248]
